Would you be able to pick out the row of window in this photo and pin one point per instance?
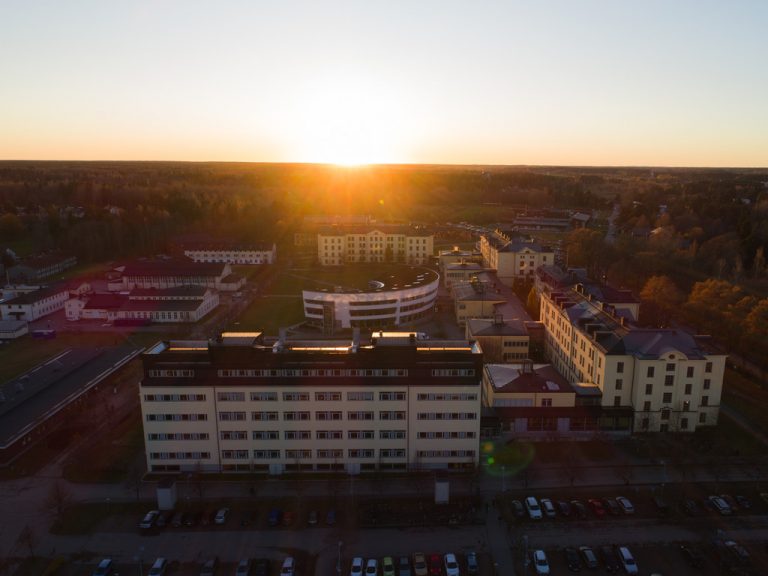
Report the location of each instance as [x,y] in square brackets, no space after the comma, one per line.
[314,373]
[172,373]
[303,415]
[174,397]
[178,436]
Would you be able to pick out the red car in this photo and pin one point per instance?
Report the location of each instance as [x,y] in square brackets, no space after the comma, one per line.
[435,565]
[597,507]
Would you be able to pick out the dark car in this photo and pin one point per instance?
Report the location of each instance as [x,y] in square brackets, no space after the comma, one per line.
[473,567]
[517,509]
[579,509]
[247,518]
[564,507]
[192,519]
[404,566]
[435,565]
[572,559]
[661,506]
[210,567]
[612,506]
[597,507]
[164,519]
[261,567]
[610,561]
[589,557]
[288,518]
[275,517]
[692,556]
[743,502]
[690,507]
[330,517]
[731,501]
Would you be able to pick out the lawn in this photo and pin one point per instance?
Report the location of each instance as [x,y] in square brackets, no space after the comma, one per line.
[270,313]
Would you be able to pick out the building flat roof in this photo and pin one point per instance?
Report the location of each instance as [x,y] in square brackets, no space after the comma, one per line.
[488,327]
[186,291]
[173,267]
[37,295]
[521,378]
[367,278]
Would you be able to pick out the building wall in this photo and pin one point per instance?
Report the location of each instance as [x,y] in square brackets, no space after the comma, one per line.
[468,309]
[499,349]
[373,246]
[233,256]
[510,266]
[35,310]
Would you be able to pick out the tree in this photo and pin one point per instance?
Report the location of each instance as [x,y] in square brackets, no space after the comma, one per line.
[58,500]
[661,297]
[10,226]
[757,320]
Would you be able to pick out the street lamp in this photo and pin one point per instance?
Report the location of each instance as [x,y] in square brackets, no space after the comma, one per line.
[338,562]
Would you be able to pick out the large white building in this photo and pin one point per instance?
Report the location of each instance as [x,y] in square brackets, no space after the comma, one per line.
[514,258]
[670,379]
[396,244]
[33,305]
[170,273]
[264,253]
[245,403]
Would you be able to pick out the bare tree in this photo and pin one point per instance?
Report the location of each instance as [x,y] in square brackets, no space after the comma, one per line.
[59,498]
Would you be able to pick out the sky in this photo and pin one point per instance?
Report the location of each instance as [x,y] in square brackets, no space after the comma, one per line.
[552,82]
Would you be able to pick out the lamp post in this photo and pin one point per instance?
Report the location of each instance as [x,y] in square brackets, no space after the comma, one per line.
[338,561]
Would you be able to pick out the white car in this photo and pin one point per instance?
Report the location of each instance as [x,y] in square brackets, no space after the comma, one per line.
[243,568]
[288,567]
[549,508]
[534,510]
[221,516]
[451,565]
[721,505]
[540,562]
[627,560]
[372,567]
[625,504]
[357,567]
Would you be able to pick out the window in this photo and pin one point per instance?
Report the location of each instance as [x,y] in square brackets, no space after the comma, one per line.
[683,423]
[354,396]
[360,434]
[707,383]
[392,434]
[298,454]
[620,367]
[328,415]
[669,380]
[667,399]
[263,396]
[297,435]
[665,414]
[646,406]
[266,435]
[688,389]
[361,453]
[234,454]
[705,400]
[231,416]
[392,415]
[328,435]
[295,396]
[617,401]
[335,453]
[708,367]
[359,415]
[263,415]
[645,423]
[392,453]
[391,395]
[648,389]
[702,418]
[546,402]
[328,396]
[651,371]
[619,383]
[293,416]
[670,367]
[234,435]
[689,372]
[231,396]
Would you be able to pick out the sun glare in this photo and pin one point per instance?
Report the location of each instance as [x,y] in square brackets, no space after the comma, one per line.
[348,123]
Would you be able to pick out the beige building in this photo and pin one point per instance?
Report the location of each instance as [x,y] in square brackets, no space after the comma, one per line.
[457,272]
[398,244]
[670,379]
[476,299]
[501,340]
[514,258]
[264,253]
[243,403]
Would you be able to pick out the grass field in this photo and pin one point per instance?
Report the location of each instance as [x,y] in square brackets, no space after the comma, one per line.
[269,313]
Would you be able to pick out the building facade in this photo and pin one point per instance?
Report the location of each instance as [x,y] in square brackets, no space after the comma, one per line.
[163,274]
[670,379]
[33,305]
[514,258]
[233,254]
[36,268]
[397,244]
[501,340]
[245,403]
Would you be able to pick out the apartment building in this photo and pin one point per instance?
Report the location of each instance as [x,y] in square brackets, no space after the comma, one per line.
[514,257]
[264,253]
[397,244]
[670,379]
[242,402]
[36,268]
[32,305]
[501,340]
[170,273]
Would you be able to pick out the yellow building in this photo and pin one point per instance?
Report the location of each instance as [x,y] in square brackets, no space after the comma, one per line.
[501,340]
[398,244]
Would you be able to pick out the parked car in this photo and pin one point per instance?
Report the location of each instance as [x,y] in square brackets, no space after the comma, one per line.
[435,565]
[534,510]
[690,507]
[419,564]
[626,560]
[159,567]
[357,567]
[720,505]
[243,568]
[312,518]
[764,497]
[262,567]
[404,566]
[330,517]
[178,519]
[192,519]
[572,559]
[661,506]
[149,519]
[692,556]
[289,567]
[589,557]
[626,505]
[372,567]
[451,565]
[387,566]
[743,502]
[208,516]
[210,567]
[221,516]
[731,501]
[579,509]
[612,506]
[248,517]
[540,562]
[610,561]
[104,568]
[518,509]
[564,507]
[164,518]
[275,517]
[548,507]
[473,568]
[288,518]
[597,507]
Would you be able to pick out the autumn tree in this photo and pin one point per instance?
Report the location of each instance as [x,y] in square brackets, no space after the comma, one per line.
[661,297]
